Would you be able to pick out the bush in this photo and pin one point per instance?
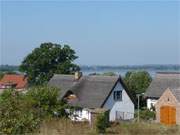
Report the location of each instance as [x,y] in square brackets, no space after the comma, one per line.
[146,114]
[102,122]
[22,113]
[16,114]
[44,99]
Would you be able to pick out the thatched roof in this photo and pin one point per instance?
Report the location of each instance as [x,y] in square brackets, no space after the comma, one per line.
[91,91]
[161,82]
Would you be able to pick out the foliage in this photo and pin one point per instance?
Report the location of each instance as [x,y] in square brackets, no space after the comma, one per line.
[16,114]
[101,122]
[146,114]
[1,75]
[8,68]
[22,113]
[49,58]
[137,83]
[109,74]
[45,99]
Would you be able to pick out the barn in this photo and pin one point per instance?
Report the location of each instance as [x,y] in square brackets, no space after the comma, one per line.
[168,107]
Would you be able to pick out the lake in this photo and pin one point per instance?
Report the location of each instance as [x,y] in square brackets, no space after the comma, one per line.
[121,70]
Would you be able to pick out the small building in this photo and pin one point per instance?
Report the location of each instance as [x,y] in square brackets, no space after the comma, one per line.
[168,107]
[18,82]
[159,84]
[92,92]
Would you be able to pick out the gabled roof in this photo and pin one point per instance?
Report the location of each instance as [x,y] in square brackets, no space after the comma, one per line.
[91,91]
[20,81]
[161,82]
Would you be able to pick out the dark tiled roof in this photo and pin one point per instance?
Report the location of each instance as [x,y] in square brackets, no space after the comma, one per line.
[161,82]
[91,91]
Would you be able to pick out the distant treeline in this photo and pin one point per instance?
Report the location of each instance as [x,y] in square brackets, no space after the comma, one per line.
[131,67]
[8,68]
[124,67]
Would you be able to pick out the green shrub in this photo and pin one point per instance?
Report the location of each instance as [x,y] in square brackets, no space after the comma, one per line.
[101,123]
[16,114]
[44,99]
[22,113]
[146,114]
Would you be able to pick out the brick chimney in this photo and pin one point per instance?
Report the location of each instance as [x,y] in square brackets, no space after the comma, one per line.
[77,75]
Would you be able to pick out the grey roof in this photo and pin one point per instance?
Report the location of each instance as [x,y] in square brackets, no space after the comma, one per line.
[64,82]
[161,82]
[91,91]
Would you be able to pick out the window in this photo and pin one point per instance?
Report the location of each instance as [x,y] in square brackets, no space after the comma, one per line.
[118,95]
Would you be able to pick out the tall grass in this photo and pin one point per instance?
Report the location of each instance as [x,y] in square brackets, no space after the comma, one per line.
[142,129]
[64,127]
[67,127]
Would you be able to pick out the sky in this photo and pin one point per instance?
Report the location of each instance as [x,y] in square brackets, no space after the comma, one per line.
[101,32]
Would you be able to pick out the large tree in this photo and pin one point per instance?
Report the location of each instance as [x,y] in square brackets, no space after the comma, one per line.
[49,58]
[137,83]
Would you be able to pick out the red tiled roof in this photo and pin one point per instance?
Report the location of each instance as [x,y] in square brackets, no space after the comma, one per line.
[19,80]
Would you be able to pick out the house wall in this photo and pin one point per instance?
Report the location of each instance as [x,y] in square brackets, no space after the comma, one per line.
[124,107]
[167,99]
[151,102]
[81,115]
[178,114]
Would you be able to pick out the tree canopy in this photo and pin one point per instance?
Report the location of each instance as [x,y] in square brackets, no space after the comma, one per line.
[137,81]
[49,58]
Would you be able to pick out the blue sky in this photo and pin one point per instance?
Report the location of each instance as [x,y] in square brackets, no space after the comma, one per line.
[102,33]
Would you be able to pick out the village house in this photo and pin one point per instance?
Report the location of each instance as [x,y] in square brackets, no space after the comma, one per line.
[18,82]
[93,92]
[168,107]
[160,83]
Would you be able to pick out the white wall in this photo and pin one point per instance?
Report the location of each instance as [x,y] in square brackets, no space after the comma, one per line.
[151,102]
[81,115]
[125,107]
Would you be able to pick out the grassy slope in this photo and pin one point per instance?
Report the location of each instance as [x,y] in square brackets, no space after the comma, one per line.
[66,127]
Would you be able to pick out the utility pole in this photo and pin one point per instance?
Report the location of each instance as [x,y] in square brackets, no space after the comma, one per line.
[138,95]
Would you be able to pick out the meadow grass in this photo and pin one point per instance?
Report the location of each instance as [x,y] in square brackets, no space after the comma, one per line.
[67,127]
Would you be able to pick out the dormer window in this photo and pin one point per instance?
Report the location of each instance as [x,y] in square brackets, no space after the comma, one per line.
[118,95]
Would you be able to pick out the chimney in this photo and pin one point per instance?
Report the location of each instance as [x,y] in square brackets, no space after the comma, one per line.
[77,75]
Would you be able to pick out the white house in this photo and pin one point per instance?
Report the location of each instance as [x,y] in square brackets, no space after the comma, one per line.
[92,92]
[160,83]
